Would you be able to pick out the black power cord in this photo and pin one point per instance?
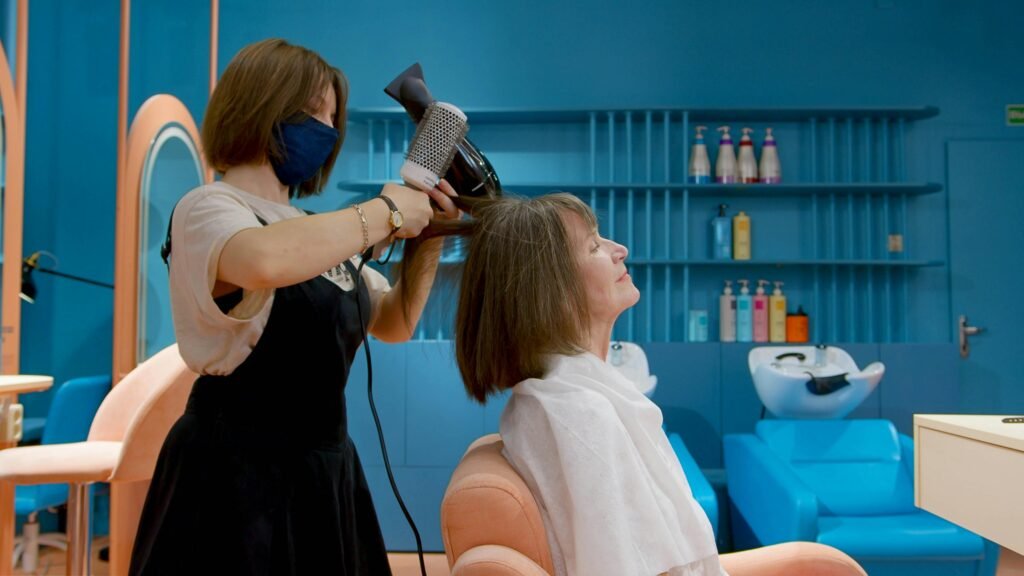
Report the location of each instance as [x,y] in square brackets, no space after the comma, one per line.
[373,410]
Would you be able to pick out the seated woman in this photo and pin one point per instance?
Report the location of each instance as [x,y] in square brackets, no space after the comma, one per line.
[540,292]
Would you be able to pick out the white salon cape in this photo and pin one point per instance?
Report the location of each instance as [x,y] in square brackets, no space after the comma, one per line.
[613,496]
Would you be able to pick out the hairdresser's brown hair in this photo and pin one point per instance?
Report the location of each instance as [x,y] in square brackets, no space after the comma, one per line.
[265,84]
[522,296]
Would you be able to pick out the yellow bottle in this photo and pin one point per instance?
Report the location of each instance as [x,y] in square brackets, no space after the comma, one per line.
[777,315]
[741,237]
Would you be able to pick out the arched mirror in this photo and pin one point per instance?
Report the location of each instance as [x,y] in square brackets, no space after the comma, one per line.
[12,172]
[3,173]
[163,162]
[172,166]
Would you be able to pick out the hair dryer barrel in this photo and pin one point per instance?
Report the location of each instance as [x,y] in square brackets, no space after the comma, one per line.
[433,147]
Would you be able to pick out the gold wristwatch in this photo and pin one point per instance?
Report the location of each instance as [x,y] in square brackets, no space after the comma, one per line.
[396,219]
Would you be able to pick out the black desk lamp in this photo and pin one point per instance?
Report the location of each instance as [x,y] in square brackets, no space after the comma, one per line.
[28,286]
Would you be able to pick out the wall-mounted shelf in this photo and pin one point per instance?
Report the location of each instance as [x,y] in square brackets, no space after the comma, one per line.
[837,231]
[796,189]
[787,262]
[548,116]
[446,259]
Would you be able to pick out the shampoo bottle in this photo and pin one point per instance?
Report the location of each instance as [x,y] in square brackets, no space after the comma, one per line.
[777,315]
[698,326]
[725,164]
[770,169]
[727,314]
[700,166]
[721,235]
[741,237]
[798,328]
[747,162]
[761,313]
[744,314]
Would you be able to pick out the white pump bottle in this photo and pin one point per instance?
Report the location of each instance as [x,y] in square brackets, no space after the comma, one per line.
[747,162]
[770,169]
[725,164]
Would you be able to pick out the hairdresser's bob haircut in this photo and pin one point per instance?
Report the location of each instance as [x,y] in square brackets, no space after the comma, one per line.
[265,84]
[522,297]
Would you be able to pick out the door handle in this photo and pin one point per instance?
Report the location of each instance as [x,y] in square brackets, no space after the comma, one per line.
[965,333]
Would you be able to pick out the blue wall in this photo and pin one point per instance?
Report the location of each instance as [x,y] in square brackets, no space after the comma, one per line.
[960,57]
[70,187]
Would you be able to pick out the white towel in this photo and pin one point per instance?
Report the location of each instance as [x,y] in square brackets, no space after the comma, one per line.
[613,495]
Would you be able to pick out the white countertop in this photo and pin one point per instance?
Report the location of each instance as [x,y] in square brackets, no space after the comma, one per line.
[985,428]
[23,383]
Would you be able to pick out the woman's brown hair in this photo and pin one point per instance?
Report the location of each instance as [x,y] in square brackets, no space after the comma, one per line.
[521,296]
[265,84]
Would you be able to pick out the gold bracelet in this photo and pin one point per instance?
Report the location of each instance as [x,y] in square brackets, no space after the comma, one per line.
[366,228]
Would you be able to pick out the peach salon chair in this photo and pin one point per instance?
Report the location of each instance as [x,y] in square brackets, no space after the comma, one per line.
[124,441]
[491,526]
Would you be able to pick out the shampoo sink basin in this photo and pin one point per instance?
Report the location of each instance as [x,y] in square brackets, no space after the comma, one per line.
[807,382]
[631,361]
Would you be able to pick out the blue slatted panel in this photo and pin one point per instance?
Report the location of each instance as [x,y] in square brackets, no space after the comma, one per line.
[842,281]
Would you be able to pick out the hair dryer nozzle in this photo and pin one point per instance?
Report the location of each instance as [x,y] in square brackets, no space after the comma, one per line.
[410,90]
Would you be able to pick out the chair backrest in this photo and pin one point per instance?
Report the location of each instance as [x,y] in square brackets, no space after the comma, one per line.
[141,409]
[74,406]
[853,466]
[487,502]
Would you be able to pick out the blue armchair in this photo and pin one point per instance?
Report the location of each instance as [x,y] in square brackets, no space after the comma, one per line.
[848,484]
[703,493]
[74,405]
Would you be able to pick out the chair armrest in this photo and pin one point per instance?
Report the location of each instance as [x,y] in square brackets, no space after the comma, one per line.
[703,493]
[791,559]
[769,496]
[78,462]
[494,560]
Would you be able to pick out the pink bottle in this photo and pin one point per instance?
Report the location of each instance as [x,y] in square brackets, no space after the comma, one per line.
[761,313]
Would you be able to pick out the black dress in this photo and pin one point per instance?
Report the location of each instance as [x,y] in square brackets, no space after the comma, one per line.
[259,476]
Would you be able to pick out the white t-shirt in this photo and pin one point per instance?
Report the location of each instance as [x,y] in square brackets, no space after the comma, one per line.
[211,341]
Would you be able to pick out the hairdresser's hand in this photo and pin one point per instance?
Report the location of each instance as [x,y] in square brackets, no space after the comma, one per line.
[445,208]
[414,206]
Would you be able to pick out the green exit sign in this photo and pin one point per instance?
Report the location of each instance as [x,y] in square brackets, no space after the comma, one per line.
[1015,115]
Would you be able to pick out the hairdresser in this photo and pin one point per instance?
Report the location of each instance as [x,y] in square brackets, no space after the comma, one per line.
[259,476]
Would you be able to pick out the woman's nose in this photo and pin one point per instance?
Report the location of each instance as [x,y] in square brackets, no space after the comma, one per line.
[620,251]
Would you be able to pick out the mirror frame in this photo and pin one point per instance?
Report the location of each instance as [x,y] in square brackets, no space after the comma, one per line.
[167,133]
[11,96]
[152,118]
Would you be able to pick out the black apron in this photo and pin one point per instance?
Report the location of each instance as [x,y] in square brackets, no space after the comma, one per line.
[259,476]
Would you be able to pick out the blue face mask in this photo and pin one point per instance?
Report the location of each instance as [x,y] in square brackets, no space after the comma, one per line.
[305,146]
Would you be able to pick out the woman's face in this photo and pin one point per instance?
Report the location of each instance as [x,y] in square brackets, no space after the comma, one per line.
[608,285]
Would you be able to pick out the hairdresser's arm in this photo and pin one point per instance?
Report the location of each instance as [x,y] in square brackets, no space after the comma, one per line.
[392,325]
[297,249]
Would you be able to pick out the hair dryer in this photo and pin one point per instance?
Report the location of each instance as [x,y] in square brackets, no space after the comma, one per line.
[470,173]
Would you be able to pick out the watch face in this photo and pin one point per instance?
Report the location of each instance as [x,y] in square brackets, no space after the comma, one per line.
[397,220]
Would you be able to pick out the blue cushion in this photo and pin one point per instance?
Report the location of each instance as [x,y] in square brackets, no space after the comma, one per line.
[854,467]
[33,498]
[831,440]
[32,429]
[902,536]
[701,489]
[74,406]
